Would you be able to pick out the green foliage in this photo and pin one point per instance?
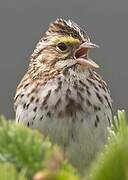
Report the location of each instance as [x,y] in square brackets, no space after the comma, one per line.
[113,163]
[9,172]
[26,152]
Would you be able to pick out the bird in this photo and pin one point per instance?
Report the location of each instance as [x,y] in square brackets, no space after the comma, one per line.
[62,96]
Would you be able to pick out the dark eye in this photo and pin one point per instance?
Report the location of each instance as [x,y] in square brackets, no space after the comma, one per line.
[62,46]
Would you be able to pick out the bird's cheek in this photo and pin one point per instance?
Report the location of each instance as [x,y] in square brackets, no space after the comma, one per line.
[61,64]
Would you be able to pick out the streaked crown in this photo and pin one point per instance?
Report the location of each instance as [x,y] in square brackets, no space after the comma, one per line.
[67,28]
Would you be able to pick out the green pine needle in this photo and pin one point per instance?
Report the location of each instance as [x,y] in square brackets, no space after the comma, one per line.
[113,163]
[26,154]
[28,151]
[9,172]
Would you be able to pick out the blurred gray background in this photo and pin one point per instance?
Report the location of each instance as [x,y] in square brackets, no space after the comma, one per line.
[22,23]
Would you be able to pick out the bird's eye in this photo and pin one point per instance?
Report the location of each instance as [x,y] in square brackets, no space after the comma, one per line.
[62,46]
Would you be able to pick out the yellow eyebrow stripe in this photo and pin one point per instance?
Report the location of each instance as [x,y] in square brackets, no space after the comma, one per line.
[69,40]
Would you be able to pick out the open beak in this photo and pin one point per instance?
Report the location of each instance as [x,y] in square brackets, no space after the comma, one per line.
[81,55]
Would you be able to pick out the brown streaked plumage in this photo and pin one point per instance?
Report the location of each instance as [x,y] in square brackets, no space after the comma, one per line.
[63,97]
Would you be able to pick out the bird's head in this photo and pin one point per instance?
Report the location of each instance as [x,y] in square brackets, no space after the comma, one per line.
[64,45]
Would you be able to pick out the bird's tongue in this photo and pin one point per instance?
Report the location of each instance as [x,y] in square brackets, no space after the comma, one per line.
[82,58]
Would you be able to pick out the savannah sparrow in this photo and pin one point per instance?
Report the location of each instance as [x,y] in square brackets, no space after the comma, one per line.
[62,96]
